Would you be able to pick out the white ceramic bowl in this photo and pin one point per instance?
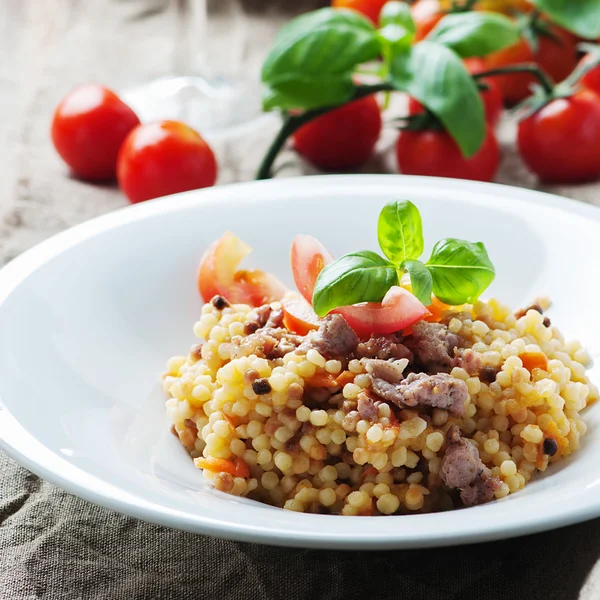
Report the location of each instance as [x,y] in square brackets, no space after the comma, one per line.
[89,317]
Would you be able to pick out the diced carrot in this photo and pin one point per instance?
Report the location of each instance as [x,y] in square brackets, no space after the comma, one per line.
[216,465]
[344,378]
[319,380]
[534,360]
[241,468]
[436,308]
[368,511]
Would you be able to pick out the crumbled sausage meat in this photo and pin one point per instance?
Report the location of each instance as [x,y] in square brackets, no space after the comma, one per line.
[334,338]
[433,346]
[266,343]
[488,374]
[418,389]
[462,469]
[367,407]
[470,361]
[383,347]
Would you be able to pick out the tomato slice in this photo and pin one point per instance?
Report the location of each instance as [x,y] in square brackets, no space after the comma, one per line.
[218,275]
[398,309]
[299,315]
[308,257]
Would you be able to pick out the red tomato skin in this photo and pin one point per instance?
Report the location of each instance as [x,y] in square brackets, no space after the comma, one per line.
[88,128]
[368,8]
[560,141]
[398,310]
[557,59]
[162,158]
[591,80]
[308,257]
[435,153]
[426,14]
[343,138]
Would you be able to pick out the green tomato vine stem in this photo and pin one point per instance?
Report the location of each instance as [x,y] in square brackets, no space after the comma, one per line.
[544,80]
[291,123]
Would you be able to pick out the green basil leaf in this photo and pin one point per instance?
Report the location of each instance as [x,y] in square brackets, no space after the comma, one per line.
[475,33]
[437,78]
[421,280]
[297,91]
[397,25]
[400,231]
[356,277]
[312,61]
[579,16]
[461,271]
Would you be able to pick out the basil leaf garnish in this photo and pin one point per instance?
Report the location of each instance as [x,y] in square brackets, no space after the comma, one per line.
[421,280]
[461,270]
[356,277]
[400,231]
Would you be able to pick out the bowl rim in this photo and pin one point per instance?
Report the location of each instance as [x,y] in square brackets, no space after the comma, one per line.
[23,447]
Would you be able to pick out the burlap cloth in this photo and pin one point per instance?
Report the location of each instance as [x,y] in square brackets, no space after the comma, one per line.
[56,546]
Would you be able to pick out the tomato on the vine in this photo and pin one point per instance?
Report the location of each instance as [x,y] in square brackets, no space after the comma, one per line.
[88,128]
[492,96]
[557,57]
[559,142]
[591,80]
[343,138]
[369,8]
[162,158]
[433,152]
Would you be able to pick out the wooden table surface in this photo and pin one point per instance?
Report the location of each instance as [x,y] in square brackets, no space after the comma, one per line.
[49,46]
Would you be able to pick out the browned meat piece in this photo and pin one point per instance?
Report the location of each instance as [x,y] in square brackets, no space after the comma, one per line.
[462,469]
[480,491]
[367,407]
[470,361]
[266,343]
[259,319]
[433,345]
[523,311]
[418,389]
[383,347]
[391,371]
[275,319]
[334,338]
[461,464]
[438,391]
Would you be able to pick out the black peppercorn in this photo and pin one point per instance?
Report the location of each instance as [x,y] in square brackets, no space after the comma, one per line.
[550,447]
[261,386]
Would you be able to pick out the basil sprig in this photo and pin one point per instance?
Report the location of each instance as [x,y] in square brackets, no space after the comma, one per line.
[315,58]
[457,271]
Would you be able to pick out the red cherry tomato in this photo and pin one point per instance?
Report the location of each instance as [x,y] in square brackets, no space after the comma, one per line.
[343,138]
[218,275]
[88,128]
[162,158]
[557,58]
[435,153]
[308,257]
[369,8]
[299,315]
[398,310]
[560,141]
[492,97]
[426,14]
[591,80]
